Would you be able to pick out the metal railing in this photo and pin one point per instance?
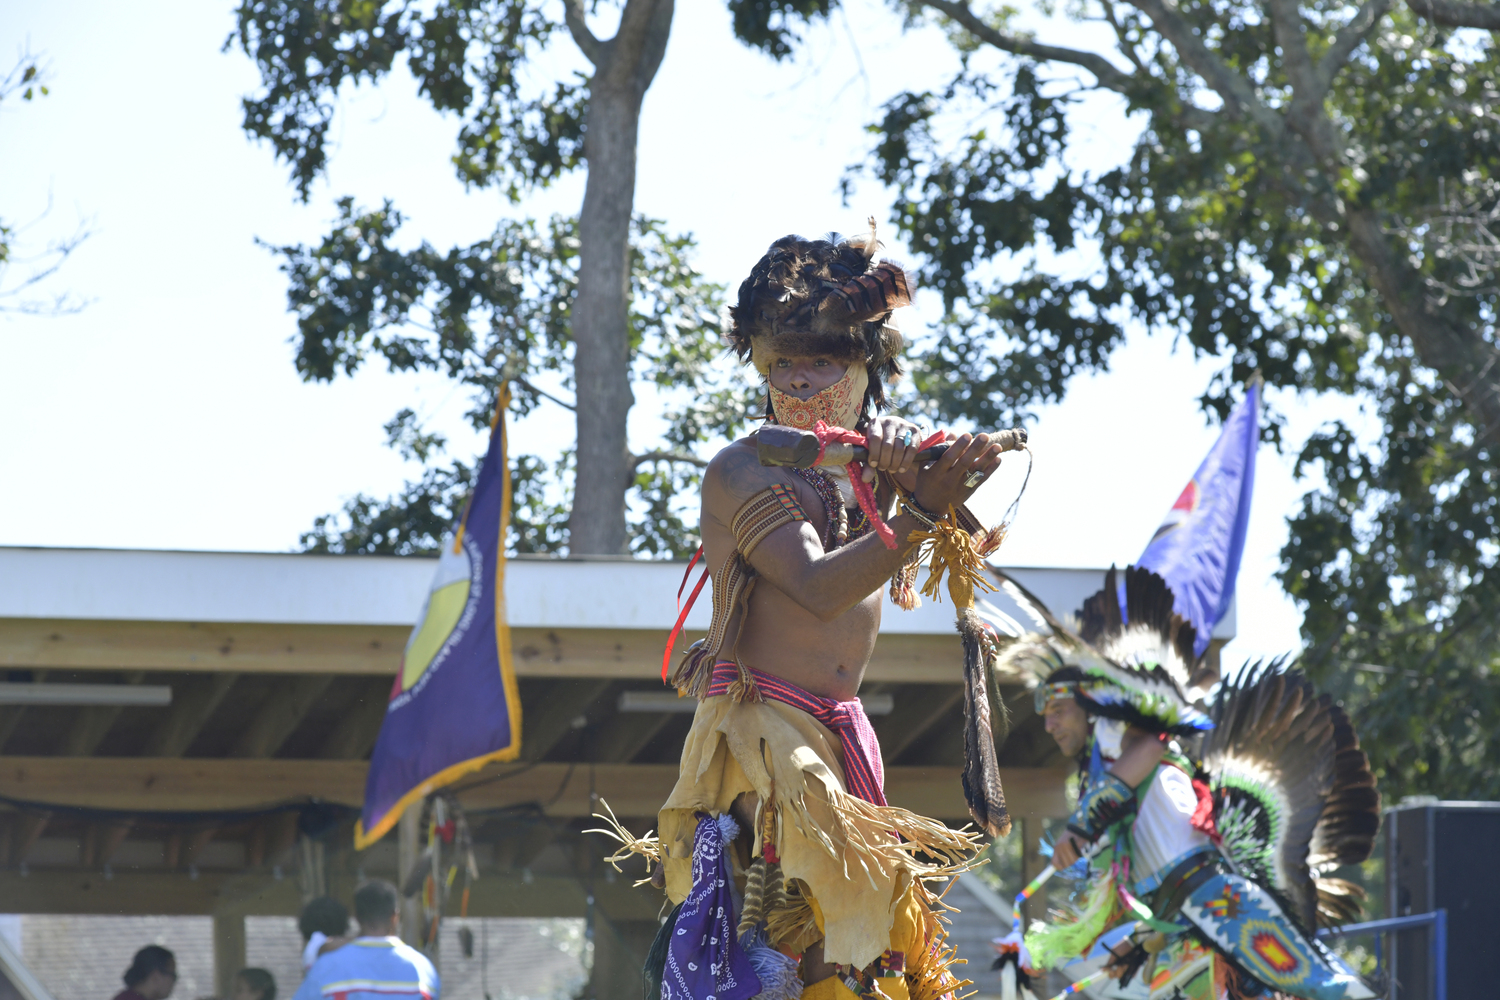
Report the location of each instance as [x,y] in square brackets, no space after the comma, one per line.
[1437,942]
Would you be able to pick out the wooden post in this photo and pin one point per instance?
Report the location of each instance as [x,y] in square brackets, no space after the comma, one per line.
[408,847]
[1032,862]
[229,951]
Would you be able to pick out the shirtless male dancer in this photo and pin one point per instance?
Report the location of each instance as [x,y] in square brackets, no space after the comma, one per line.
[779,742]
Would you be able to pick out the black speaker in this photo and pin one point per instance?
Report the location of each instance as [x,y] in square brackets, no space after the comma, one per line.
[1443,856]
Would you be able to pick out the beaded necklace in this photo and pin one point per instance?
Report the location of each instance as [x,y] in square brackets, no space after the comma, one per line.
[839,530]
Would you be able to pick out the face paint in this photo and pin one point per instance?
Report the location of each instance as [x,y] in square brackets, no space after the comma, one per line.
[838,405]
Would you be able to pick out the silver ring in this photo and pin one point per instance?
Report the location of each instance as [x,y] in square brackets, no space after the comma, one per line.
[906,440]
[973,479]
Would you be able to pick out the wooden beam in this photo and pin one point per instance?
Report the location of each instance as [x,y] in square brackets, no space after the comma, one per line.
[93,723]
[193,844]
[99,842]
[409,857]
[627,734]
[545,725]
[280,716]
[11,715]
[201,647]
[135,892]
[202,784]
[919,712]
[376,649]
[193,701]
[229,950]
[24,832]
[355,733]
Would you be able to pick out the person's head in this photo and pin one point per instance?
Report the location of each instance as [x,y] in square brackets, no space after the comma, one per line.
[1067,723]
[375,907]
[324,915]
[814,319]
[254,984]
[152,973]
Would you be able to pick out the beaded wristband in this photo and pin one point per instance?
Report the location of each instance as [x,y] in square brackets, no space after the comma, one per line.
[922,514]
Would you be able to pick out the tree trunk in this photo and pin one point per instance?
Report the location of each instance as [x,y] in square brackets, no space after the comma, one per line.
[1466,361]
[624,68]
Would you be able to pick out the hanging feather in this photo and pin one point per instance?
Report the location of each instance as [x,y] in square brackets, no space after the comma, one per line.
[981,775]
[776,897]
[753,910]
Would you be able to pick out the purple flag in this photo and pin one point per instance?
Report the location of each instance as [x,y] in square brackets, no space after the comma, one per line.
[1197,549]
[454,706]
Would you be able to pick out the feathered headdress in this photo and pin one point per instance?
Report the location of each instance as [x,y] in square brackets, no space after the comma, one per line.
[822,297]
[1140,673]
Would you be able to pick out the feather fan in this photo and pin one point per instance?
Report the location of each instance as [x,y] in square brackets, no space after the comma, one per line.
[1292,790]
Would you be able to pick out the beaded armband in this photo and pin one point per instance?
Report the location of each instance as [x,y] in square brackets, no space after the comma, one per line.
[1100,806]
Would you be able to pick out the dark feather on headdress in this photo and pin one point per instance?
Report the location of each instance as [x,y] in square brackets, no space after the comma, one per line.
[1293,793]
[825,297]
[1154,631]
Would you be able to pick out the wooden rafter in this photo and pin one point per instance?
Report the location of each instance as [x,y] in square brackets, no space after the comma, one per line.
[280,715]
[625,735]
[193,701]
[202,784]
[375,650]
[546,723]
[355,732]
[921,710]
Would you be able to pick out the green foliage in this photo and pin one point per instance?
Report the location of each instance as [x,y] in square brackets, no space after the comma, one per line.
[1283,215]
[493,311]
[468,57]
[770,25]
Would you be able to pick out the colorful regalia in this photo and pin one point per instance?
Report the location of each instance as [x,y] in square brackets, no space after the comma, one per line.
[828,859]
[1207,881]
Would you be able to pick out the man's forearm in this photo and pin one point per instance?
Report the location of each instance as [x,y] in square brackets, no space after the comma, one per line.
[836,581]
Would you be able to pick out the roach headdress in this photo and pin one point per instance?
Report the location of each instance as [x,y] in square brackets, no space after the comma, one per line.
[823,297]
[1140,669]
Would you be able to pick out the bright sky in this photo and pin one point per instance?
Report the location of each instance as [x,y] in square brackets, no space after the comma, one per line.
[167,414]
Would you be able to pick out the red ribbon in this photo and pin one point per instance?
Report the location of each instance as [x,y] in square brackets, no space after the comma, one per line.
[666,657]
[862,491]
[1203,815]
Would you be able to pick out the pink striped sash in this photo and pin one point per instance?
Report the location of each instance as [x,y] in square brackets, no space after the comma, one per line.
[864,773]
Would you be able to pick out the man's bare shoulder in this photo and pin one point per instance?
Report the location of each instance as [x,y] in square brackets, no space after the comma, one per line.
[735,475]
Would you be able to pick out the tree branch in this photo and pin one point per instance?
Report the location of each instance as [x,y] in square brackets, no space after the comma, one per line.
[574,16]
[1348,38]
[667,456]
[1109,77]
[1228,84]
[1455,14]
[1306,114]
[544,394]
[1468,364]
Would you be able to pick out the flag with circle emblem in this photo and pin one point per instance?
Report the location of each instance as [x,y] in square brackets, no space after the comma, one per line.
[454,705]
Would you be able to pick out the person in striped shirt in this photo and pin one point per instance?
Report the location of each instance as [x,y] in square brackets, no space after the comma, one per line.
[377,965]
